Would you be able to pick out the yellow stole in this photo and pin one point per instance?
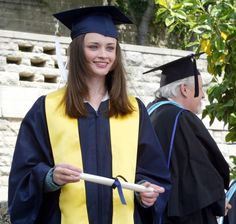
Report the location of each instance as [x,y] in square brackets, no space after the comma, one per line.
[64,137]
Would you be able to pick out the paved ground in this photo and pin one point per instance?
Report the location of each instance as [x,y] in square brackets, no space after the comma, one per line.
[4,218]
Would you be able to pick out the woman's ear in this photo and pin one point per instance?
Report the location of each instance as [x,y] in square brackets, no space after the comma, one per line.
[183,90]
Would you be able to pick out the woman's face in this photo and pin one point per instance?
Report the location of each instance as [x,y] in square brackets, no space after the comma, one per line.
[100,53]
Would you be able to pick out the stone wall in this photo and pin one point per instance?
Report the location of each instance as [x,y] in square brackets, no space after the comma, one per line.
[36,15]
[28,69]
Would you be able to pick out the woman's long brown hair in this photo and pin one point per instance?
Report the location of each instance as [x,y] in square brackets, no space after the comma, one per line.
[77,88]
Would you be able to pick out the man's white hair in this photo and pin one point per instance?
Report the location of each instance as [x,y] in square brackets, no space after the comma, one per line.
[172,89]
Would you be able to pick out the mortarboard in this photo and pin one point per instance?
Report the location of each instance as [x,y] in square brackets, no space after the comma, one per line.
[179,69]
[98,19]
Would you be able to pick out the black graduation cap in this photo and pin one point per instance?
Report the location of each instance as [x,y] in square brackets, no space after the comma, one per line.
[179,69]
[97,19]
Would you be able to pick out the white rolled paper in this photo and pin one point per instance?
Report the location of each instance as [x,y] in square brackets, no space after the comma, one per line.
[109,182]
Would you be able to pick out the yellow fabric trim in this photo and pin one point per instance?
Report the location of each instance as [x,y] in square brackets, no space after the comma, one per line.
[124,142]
[64,136]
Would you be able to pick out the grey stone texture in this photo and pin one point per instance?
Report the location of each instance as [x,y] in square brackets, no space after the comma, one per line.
[36,15]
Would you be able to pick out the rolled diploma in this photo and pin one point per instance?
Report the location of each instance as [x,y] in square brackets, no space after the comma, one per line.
[109,182]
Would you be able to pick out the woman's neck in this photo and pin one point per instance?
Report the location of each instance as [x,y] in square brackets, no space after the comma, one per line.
[97,91]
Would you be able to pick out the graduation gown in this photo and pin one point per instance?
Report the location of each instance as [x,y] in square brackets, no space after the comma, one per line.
[199,172]
[28,203]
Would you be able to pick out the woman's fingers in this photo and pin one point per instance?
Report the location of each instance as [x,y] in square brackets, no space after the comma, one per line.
[65,173]
[149,198]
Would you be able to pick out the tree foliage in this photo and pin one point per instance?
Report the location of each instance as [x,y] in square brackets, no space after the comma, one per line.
[147,31]
[141,12]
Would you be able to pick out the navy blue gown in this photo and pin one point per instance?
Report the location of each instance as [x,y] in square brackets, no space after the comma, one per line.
[29,203]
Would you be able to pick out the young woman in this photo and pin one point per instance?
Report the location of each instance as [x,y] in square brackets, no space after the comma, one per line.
[92,126]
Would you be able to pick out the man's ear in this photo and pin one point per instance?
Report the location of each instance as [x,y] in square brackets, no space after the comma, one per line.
[183,90]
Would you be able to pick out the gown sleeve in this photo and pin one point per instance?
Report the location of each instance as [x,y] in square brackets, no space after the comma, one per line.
[151,162]
[32,160]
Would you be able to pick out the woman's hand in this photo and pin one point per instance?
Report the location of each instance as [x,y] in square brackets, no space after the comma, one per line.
[149,198]
[65,173]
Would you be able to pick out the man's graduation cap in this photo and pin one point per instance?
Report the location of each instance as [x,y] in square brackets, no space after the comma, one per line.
[179,69]
[98,19]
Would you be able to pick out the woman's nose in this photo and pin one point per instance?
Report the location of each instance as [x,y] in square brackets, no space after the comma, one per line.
[102,53]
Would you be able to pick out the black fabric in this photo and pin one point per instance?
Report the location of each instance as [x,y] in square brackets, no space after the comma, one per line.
[28,204]
[203,216]
[199,171]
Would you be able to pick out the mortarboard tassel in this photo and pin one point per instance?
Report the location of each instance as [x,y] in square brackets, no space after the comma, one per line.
[61,65]
[196,94]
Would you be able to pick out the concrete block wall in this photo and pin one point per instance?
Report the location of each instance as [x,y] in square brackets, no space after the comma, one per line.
[28,69]
[36,15]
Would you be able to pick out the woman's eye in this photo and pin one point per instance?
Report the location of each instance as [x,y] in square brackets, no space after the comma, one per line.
[110,48]
[92,47]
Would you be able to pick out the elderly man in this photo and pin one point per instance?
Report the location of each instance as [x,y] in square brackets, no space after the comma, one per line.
[198,169]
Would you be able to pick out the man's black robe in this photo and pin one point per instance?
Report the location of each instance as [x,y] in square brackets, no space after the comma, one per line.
[198,169]
[28,203]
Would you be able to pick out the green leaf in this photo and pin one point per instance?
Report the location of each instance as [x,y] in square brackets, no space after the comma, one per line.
[191,24]
[169,21]
[160,15]
[161,11]
[232,119]
[177,6]
[191,44]
[181,15]
[201,28]
[230,137]
[206,35]
[220,45]
[172,27]
[163,3]
[204,113]
[188,4]
[230,103]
